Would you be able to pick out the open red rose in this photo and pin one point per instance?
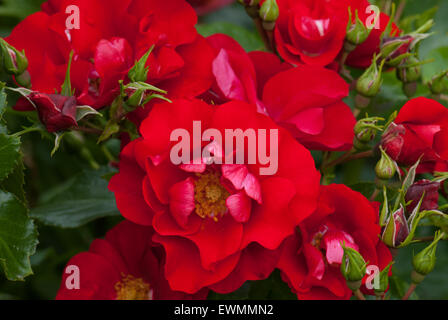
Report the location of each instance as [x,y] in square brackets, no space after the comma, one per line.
[313,31]
[420,130]
[217,222]
[55,111]
[112,35]
[310,260]
[306,100]
[126,265]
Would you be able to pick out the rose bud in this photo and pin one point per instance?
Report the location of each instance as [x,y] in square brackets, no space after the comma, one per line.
[357,33]
[14,61]
[409,75]
[392,140]
[353,267]
[395,49]
[269,13]
[425,261]
[396,230]
[55,111]
[415,193]
[366,129]
[386,168]
[369,84]
[439,83]
[384,281]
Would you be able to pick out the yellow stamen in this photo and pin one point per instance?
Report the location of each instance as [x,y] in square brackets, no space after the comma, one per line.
[210,196]
[131,288]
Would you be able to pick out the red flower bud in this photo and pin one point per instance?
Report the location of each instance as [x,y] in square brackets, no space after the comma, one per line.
[56,112]
[415,193]
[396,230]
[392,140]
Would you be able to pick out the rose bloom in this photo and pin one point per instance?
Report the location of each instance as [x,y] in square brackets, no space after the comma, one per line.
[420,130]
[112,35]
[306,100]
[126,265]
[313,31]
[218,223]
[311,258]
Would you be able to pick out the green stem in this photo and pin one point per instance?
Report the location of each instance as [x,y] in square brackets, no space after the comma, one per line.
[20,133]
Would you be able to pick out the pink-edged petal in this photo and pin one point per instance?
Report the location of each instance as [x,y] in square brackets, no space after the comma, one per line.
[239,206]
[182,201]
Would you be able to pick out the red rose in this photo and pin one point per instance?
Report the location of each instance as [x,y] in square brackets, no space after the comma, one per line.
[239,75]
[112,35]
[420,130]
[55,111]
[310,260]
[126,265]
[313,31]
[307,100]
[220,223]
[299,99]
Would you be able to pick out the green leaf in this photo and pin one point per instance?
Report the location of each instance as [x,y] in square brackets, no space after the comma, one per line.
[248,40]
[18,237]
[80,200]
[15,181]
[9,154]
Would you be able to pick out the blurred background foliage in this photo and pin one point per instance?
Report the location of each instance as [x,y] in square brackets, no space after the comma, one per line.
[55,184]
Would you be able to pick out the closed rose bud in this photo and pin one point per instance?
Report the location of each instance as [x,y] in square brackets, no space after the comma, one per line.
[366,129]
[353,267]
[56,112]
[386,168]
[13,61]
[394,50]
[439,83]
[357,32]
[369,84]
[431,198]
[409,75]
[425,261]
[269,14]
[384,281]
[396,230]
[393,140]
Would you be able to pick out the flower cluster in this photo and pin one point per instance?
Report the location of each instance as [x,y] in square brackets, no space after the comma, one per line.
[213,225]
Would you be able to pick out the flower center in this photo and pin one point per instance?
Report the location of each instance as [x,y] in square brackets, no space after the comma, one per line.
[210,196]
[131,288]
